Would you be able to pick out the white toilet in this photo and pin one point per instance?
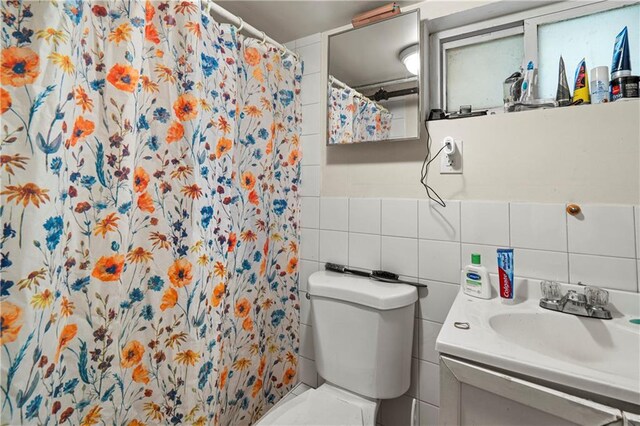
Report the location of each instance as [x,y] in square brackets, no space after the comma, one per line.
[363,334]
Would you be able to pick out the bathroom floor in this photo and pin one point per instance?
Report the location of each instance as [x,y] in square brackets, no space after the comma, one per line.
[297,390]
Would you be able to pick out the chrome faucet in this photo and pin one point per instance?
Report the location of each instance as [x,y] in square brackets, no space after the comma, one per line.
[592,303]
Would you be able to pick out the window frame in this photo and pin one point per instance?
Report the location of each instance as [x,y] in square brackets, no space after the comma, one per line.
[527,22]
[468,41]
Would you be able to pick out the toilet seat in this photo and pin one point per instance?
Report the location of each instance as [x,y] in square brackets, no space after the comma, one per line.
[325,406]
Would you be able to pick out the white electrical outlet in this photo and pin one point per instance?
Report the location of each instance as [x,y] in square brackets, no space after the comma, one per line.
[451,156]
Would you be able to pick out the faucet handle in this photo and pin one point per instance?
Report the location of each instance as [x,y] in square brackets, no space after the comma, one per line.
[596,296]
[551,290]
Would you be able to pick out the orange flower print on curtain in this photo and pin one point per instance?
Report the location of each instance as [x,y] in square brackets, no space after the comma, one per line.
[149,177]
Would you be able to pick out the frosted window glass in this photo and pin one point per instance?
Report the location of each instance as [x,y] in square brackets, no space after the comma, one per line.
[475,73]
[591,37]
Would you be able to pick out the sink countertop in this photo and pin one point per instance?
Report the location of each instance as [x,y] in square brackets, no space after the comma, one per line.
[597,356]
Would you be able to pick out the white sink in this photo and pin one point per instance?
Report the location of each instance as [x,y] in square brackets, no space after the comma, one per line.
[597,356]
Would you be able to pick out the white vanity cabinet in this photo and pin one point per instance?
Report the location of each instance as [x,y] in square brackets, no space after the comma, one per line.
[476,395]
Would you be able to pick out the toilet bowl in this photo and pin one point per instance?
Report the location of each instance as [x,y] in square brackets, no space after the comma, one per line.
[363,334]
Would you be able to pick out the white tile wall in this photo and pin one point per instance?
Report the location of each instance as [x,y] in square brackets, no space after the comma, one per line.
[612,272]
[538,226]
[400,218]
[364,215]
[334,247]
[310,186]
[485,223]
[419,240]
[439,260]
[603,230]
[437,222]
[400,255]
[364,251]
[311,150]
[309,244]
[334,213]
[310,212]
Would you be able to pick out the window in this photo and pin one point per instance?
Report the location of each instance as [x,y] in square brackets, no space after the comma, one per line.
[470,63]
[471,67]
[590,37]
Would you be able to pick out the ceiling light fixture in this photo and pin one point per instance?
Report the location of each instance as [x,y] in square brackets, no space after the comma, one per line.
[410,57]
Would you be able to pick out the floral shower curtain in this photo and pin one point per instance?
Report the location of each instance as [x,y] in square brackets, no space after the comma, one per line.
[150,166]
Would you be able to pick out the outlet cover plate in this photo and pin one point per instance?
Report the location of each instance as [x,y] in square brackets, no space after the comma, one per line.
[452,165]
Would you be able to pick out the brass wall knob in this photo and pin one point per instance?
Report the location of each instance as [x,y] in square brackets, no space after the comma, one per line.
[573,209]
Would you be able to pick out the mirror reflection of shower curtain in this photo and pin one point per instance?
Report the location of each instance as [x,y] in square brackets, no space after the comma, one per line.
[371,121]
[355,118]
[341,113]
[150,212]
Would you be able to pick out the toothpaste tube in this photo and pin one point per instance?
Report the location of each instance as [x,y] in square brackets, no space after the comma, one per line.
[621,63]
[505,272]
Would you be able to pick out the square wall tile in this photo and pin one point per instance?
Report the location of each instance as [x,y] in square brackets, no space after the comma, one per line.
[334,213]
[311,119]
[538,226]
[307,372]
[542,265]
[439,223]
[400,218]
[485,223]
[310,212]
[488,257]
[311,145]
[435,301]
[307,268]
[609,272]
[429,414]
[430,383]
[427,341]
[309,244]
[310,185]
[400,255]
[364,215]
[306,342]
[394,412]
[364,251]
[603,230]
[311,89]
[312,57]
[334,247]
[439,260]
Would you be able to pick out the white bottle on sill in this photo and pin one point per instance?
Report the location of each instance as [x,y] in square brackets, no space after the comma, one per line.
[476,279]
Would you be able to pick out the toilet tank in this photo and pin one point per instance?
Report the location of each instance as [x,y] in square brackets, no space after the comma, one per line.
[362,333]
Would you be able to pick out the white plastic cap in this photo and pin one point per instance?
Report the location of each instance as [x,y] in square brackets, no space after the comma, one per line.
[600,73]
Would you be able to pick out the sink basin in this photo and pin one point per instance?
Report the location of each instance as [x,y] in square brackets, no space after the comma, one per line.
[587,341]
[597,356]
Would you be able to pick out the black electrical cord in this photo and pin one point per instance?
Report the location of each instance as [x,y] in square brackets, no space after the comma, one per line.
[425,170]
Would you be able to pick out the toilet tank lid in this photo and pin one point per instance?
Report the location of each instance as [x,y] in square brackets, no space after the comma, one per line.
[361,290]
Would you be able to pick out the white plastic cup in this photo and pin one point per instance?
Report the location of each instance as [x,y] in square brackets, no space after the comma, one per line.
[599,84]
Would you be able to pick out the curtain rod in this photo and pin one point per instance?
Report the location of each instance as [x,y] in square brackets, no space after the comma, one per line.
[250,29]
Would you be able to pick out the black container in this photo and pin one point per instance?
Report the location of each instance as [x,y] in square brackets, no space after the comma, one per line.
[623,87]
